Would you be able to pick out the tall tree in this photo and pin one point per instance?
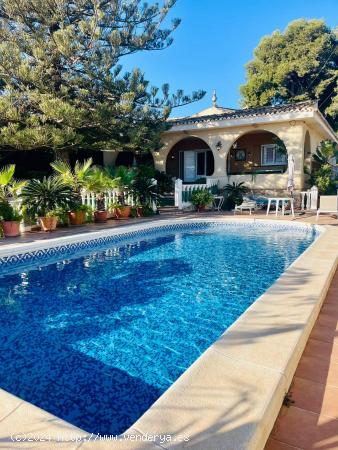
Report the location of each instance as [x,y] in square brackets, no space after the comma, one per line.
[299,64]
[61,83]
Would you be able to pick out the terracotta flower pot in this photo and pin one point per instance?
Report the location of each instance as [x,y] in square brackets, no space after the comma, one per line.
[123,212]
[11,228]
[48,223]
[200,208]
[76,217]
[100,216]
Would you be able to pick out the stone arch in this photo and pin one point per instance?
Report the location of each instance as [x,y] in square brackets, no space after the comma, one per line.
[307,156]
[257,151]
[190,158]
[307,149]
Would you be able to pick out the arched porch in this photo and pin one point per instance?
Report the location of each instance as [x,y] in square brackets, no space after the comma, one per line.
[257,152]
[190,159]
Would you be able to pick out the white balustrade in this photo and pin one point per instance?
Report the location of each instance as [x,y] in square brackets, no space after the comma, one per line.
[184,191]
[109,197]
[309,199]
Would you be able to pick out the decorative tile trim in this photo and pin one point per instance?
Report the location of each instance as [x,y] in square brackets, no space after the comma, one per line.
[23,259]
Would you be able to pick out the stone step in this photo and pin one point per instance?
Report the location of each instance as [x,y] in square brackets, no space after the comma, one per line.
[169,210]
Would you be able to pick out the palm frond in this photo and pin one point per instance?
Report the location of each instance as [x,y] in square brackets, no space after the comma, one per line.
[81,169]
[61,167]
[7,174]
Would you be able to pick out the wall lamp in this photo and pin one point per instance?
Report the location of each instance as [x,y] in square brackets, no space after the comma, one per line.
[219,146]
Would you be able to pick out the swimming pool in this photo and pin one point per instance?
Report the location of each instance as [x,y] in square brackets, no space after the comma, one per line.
[97,339]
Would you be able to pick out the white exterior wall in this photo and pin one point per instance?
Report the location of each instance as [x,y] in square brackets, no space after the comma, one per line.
[292,134]
[289,127]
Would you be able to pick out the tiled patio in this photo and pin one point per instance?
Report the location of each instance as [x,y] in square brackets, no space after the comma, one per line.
[311,422]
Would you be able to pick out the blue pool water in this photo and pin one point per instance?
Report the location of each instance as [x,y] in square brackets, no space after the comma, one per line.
[97,339]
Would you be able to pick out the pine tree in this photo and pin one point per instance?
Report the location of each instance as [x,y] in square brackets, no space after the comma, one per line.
[61,83]
[299,64]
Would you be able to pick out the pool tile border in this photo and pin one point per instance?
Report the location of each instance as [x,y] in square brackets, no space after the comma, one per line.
[25,254]
[229,398]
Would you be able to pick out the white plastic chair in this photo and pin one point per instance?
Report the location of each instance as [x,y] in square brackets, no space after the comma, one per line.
[328,204]
[246,205]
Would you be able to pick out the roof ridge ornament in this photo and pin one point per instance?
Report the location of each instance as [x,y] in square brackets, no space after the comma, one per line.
[214,99]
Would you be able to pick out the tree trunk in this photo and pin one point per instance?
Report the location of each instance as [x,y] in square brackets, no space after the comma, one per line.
[62,155]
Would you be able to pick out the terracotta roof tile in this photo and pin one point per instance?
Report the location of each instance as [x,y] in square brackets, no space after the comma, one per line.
[309,105]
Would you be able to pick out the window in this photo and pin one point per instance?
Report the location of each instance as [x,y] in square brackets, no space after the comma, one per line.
[201,163]
[272,156]
[195,164]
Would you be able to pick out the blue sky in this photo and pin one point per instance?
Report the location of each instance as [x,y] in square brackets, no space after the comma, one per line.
[216,39]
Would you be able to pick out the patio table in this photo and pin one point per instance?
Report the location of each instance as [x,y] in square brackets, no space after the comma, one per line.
[217,202]
[283,201]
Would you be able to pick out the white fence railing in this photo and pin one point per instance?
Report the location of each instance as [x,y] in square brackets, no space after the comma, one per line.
[309,200]
[183,192]
[109,197]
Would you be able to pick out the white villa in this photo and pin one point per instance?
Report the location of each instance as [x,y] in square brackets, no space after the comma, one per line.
[231,145]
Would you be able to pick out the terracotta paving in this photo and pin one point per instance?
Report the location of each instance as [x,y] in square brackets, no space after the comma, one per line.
[311,422]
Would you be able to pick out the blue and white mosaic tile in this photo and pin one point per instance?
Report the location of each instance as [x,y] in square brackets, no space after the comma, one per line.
[40,255]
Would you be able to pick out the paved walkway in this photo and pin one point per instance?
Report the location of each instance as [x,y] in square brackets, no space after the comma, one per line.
[311,422]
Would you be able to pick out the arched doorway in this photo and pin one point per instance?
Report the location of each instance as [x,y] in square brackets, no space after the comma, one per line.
[256,152]
[190,159]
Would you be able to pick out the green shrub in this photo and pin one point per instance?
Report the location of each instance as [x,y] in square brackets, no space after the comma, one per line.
[47,195]
[201,198]
[147,211]
[234,194]
[201,180]
[322,174]
[80,207]
[8,213]
[144,191]
[323,180]
[165,182]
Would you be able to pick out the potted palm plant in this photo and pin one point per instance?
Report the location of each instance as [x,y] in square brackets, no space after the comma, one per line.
[99,181]
[77,179]
[10,188]
[144,190]
[9,193]
[234,194]
[10,220]
[124,181]
[44,197]
[201,198]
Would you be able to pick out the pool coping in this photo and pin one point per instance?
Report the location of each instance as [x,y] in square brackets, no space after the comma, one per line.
[230,396]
